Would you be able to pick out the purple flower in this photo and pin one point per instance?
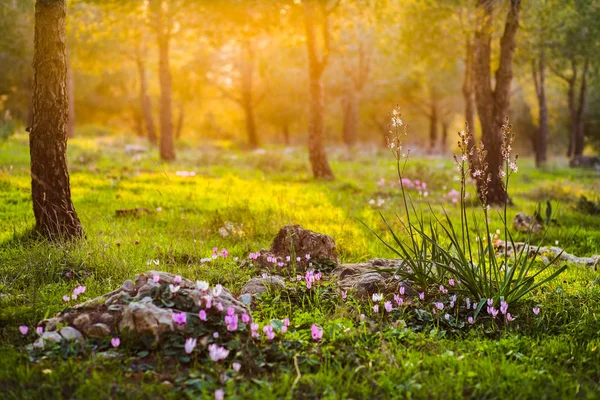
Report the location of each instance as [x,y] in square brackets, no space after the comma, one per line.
[220,306]
[217,353]
[398,300]
[115,342]
[439,306]
[224,253]
[39,330]
[344,295]
[230,311]
[443,289]
[468,301]
[219,394]
[376,309]
[286,322]
[402,290]
[236,366]
[268,330]
[179,318]
[451,282]
[509,317]
[490,302]
[232,322]
[316,332]
[155,278]
[24,329]
[536,310]
[388,306]
[202,315]
[422,296]
[190,344]
[307,256]
[503,307]
[470,320]
[245,318]
[66,299]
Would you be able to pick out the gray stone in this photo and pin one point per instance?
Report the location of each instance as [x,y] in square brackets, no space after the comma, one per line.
[82,322]
[128,286]
[374,276]
[246,299]
[526,223]
[146,318]
[98,330]
[71,334]
[263,284]
[39,344]
[52,336]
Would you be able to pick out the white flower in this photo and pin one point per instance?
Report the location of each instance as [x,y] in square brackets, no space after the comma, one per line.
[173,288]
[217,290]
[202,285]
[190,344]
[377,297]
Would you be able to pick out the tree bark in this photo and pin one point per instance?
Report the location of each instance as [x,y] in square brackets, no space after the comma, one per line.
[469,98]
[285,130]
[71,95]
[433,126]
[54,213]
[350,120]
[493,104]
[579,140]
[541,139]
[444,144]
[146,101]
[247,62]
[180,119]
[316,66]
[163,34]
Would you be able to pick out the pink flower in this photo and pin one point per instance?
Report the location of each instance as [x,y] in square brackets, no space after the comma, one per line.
[230,311]
[470,320]
[490,302]
[286,322]
[78,290]
[179,318]
[451,282]
[536,310]
[468,301]
[190,344]
[443,289]
[220,306]
[232,322]
[316,332]
[236,366]
[376,309]
[298,259]
[307,256]
[66,299]
[115,342]
[217,353]
[39,330]
[155,278]
[503,307]
[388,306]
[215,334]
[439,306]
[177,279]
[224,253]
[287,258]
[344,295]
[422,296]
[509,317]
[245,318]
[399,300]
[219,394]
[209,300]
[268,330]
[402,290]
[24,329]
[202,315]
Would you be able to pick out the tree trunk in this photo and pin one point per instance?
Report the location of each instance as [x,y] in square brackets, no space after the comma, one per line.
[493,104]
[433,127]
[444,144]
[317,156]
[167,149]
[50,188]
[541,139]
[180,119]
[146,101]
[247,72]
[350,121]
[285,130]
[469,98]
[579,140]
[71,95]
[137,122]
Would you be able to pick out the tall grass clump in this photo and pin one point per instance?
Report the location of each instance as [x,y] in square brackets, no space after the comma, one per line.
[437,248]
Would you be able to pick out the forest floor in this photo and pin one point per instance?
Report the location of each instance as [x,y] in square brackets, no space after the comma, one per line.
[555,354]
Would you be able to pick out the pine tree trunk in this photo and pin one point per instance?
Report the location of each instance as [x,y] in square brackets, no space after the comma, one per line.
[317,155]
[71,95]
[50,188]
[350,120]
[579,140]
[146,101]
[493,104]
[469,98]
[573,114]
[167,149]
[247,72]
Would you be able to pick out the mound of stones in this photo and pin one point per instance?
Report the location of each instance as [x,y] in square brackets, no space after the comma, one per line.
[145,306]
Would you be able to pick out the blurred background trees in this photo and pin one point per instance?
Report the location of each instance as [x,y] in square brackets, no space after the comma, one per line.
[312,72]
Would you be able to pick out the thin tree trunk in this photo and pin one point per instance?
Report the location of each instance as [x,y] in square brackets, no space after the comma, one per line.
[317,155]
[146,101]
[167,149]
[579,142]
[285,130]
[433,127]
[180,119]
[541,139]
[50,187]
[137,122]
[493,104]
[573,112]
[444,144]
[71,95]
[350,121]
[469,98]
[247,69]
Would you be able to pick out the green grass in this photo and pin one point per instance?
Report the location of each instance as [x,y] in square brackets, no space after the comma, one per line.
[555,355]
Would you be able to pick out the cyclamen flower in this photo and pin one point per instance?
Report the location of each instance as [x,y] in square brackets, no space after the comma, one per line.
[219,394]
[503,307]
[509,317]
[232,322]
[316,332]
[286,322]
[190,345]
[490,302]
[447,317]
[468,301]
[202,315]
[536,310]
[23,329]
[492,311]
[376,309]
[115,342]
[79,290]
[307,256]
[179,318]
[443,289]
[344,295]
[470,320]
[66,299]
[377,297]
[215,334]
[155,278]
[174,289]
[236,366]
[254,330]
[399,300]
[402,290]
[422,296]
[202,285]
[209,300]
[268,330]
[451,282]
[224,253]
[177,279]
[217,353]
[388,306]
[217,290]
[220,306]
[284,329]
[439,306]
[245,318]
[39,330]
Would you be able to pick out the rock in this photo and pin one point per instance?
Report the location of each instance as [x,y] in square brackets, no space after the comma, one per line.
[143,318]
[263,284]
[295,240]
[128,286]
[106,319]
[246,299]
[374,276]
[546,253]
[82,322]
[51,324]
[52,336]
[39,344]
[526,223]
[71,334]
[98,330]
[135,149]
[108,355]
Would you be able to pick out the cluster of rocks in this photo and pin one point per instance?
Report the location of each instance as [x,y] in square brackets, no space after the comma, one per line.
[546,253]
